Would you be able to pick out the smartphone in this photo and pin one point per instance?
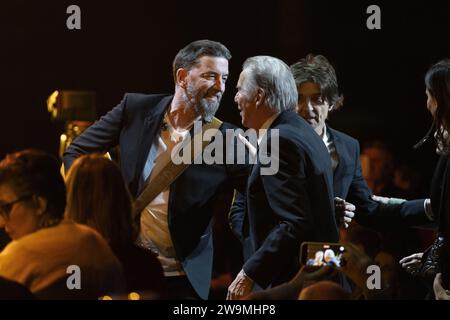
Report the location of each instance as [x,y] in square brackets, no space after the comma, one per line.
[318,254]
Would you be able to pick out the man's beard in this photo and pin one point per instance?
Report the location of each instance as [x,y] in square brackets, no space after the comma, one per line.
[204,104]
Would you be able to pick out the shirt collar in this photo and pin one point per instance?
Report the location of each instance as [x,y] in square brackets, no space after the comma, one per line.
[266,125]
[325,135]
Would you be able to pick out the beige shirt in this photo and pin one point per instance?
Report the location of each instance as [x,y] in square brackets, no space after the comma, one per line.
[155,233]
[40,261]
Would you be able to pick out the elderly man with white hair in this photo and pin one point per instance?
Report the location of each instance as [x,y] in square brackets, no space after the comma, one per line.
[294,204]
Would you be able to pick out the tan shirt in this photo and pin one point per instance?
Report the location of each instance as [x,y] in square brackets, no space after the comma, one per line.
[40,261]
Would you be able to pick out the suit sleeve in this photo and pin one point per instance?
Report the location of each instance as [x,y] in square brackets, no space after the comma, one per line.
[287,196]
[237,214]
[238,173]
[100,137]
[382,217]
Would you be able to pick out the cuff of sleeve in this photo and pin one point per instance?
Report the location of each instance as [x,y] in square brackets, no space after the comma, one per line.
[428,210]
[245,275]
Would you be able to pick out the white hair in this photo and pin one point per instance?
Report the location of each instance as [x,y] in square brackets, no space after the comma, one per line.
[275,79]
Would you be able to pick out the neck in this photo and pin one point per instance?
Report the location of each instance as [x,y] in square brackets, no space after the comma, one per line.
[320,130]
[266,114]
[181,114]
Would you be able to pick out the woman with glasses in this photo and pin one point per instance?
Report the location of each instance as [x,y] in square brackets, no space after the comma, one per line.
[54,258]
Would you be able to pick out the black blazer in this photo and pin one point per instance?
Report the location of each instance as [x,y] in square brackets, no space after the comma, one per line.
[350,184]
[440,202]
[133,124]
[440,195]
[283,210]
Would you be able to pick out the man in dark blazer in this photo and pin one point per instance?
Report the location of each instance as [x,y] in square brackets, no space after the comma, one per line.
[281,208]
[318,95]
[176,224]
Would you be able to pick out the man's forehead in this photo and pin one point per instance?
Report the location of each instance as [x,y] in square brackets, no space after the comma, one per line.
[309,86]
[213,63]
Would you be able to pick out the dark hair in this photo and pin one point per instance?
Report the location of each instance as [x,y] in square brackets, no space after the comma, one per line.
[188,56]
[437,81]
[98,197]
[34,172]
[317,69]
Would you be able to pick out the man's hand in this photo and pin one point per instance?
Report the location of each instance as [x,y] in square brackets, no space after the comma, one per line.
[439,292]
[310,274]
[344,212]
[386,200]
[240,287]
[412,263]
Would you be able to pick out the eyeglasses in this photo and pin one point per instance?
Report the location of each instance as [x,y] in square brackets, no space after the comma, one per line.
[5,208]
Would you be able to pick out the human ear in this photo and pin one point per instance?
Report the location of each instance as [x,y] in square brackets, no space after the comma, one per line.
[259,97]
[40,204]
[182,77]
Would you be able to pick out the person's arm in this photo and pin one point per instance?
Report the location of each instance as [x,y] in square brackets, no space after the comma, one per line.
[291,290]
[237,214]
[238,173]
[439,292]
[381,216]
[100,137]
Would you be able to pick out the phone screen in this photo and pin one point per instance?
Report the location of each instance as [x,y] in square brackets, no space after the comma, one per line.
[319,254]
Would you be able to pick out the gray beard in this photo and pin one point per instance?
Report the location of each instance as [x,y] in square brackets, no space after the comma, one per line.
[203,106]
[207,108]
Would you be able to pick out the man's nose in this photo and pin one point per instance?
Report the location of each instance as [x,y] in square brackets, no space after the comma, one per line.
[309,105]
[236,97]
[219,84]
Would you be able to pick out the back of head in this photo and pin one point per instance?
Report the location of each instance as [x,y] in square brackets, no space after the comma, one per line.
[34,172]
[275,79]
[317,69]
[324,290]
[97,196]
[437,81]
[188,57]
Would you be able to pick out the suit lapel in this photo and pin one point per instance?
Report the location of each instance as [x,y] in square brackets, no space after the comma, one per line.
[254,172]
[339,171]
[152,126]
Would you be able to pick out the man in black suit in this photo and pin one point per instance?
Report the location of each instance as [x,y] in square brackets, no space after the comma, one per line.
[176,223]
[318,95]
[284,207]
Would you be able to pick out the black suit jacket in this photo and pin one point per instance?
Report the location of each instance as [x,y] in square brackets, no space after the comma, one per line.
[350,184]
[283,210]
[440,202]
[133,124]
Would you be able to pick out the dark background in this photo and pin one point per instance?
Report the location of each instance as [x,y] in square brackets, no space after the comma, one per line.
[128,46]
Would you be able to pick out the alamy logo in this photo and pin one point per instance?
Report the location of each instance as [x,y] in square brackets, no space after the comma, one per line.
[374,20]
[73,22]
[374,280]
[74,280]
[239,146]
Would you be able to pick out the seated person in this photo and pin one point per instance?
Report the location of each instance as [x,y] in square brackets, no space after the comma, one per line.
[97,197]
[45,247]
